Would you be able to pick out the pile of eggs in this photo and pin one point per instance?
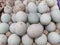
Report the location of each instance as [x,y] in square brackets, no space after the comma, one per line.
[30,22]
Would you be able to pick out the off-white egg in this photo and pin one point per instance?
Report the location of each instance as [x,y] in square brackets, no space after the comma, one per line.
[4,27]
[26,40]
[21,16]
[12,27]
[42,7]
[8,9]
[3,39]
[32,7]
[55,14]
[42,40]
[53,38]
[50,3]
[5,18]
[51,27]
[13,40]
[35,30]
[33,18]
[45,19]
[20,28]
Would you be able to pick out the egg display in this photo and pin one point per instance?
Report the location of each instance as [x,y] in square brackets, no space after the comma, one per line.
[29,22]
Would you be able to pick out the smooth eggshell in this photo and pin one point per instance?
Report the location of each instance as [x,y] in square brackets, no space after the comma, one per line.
[35,30]
[21,16]
[13,40]
[4,27]
[51,27]
[5,18]
[53,38]
[3,39]
[20,28]
[42,40]
[26,40]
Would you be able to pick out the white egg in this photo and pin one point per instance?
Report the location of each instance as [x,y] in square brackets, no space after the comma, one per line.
[32,7]
[58,26]
[26,40]
[35,30]
[5,17]
[33,18]
[4,27]
[8,9]
[3,39]
[45,19]
[12,27]
[21,16]
[20,28]
[14,40]
[55,14]
[51,27]
[53,38]
[42,7]
[42,40]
